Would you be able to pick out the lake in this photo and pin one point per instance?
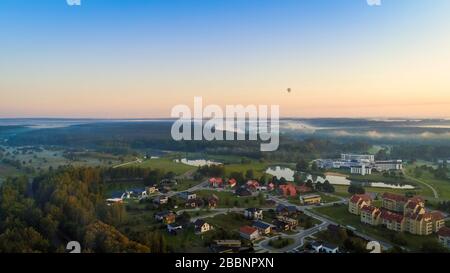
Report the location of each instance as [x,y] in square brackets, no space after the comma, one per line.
[288,174]
[197,162]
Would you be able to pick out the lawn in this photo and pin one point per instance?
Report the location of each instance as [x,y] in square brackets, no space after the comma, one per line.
[230,221]
[279,242]
[185,184]
[342,190]
[441,186]
[230,200]
[341,215]
[166,164]
[259,168]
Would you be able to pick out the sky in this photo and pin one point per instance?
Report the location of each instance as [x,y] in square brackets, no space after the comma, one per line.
[140,58]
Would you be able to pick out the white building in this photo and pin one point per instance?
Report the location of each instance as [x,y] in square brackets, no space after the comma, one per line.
[361,170]
[359,158]
[389,165]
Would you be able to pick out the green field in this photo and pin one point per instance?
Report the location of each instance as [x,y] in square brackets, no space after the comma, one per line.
[230,221]
[442,186]
[166,164]
[341,215]
[230,200]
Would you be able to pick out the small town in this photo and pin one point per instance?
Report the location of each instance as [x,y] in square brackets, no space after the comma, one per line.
[285,217]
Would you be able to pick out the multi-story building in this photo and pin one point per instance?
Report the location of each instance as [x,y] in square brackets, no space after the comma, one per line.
[399,214]
[370,215]
[361,170]
[310,199]
[357,202]
[444,236]
[359,158]
[424,223]
[388,165]
[394,202]
[392,220]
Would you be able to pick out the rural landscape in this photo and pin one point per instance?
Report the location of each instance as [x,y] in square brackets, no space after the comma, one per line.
[113,189]
[263,130]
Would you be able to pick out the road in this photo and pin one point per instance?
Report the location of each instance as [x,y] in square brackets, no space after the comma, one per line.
[128,163]
[435,193]
[325,222]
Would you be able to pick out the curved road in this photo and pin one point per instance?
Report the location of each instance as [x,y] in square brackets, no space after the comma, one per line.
[436,195]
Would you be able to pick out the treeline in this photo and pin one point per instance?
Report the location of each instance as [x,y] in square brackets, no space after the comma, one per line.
[424,152]
[65,205]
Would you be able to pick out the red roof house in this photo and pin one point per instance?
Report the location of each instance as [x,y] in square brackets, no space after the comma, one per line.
[215,182]
[288,189]
[232,183]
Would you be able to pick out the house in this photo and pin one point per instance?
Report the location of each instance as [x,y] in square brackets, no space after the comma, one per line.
[329,248]
[394,202]
[160,200]
[370,215]
[392,220]
[138,193]
[361,170]
[194,203]
[249,233]
[444,236]
[213,201]
[281,226]
[226,246]
[243,192]
[201,226]
[116,197]
[151,190]
[252,185]
[187,195]
[253,214]
[263,227]
[357,202]
[166,217]
[304,189]
[215,182]
[288,190]
[291,223]
[324,248]
[172,228]
[232,183]
[286,210]
[310,199]
[317,246]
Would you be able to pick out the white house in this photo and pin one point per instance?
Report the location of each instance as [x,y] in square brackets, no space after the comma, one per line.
[188,195]
[201,226]
[253,214]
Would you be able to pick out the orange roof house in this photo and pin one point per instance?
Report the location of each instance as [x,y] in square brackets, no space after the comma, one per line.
[288,189]
[252,184]
[232,183]
[304,189]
